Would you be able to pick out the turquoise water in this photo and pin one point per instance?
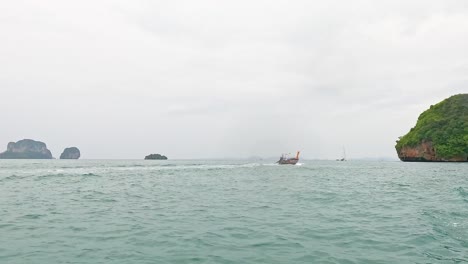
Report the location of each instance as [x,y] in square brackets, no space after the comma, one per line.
[97,211]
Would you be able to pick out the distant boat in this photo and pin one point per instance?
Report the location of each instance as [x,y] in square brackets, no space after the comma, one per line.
[285,160]
[343,158]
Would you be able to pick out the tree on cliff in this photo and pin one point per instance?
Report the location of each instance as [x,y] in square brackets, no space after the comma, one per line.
[155,157]
[445,126]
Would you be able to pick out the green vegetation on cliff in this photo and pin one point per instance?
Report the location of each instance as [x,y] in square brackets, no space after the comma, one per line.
[155,157]
[445,125]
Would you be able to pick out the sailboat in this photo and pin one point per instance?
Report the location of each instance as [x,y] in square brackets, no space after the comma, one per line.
[343,158]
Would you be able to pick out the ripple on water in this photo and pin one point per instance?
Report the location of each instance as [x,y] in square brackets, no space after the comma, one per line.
[450,232]
[49,176]
[12,177]
[90,175]
[463,193]
[32,216]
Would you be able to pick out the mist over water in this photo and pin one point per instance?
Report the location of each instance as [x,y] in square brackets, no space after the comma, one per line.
[202,211]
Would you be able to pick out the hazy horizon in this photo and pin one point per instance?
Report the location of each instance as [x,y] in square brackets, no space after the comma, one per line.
[209,79]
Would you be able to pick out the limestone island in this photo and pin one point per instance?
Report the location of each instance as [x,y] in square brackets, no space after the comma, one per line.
[441,133]
[155,157]
[70,153]
[26,149]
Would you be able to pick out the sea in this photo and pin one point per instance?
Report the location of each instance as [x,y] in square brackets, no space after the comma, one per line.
[232,211]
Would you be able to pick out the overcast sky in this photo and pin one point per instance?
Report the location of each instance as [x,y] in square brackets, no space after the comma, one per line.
[218,79]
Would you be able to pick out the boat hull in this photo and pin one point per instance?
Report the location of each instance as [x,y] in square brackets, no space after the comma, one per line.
[288,161]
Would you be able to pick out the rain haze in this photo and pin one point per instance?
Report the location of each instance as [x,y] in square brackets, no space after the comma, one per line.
[226,79]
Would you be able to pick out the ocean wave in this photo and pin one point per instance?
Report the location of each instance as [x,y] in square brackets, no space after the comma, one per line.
[462,192]
[90,174]
[12,177]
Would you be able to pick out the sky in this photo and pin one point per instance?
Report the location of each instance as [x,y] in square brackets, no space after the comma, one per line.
[122,79]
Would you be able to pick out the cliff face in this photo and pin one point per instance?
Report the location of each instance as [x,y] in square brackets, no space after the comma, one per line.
[26,149]
[70,153]
[441,133]
[424,152]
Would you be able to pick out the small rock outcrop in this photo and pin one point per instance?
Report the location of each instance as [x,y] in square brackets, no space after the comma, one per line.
[26,149]
[155,157]
[441,133]
[70,153]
